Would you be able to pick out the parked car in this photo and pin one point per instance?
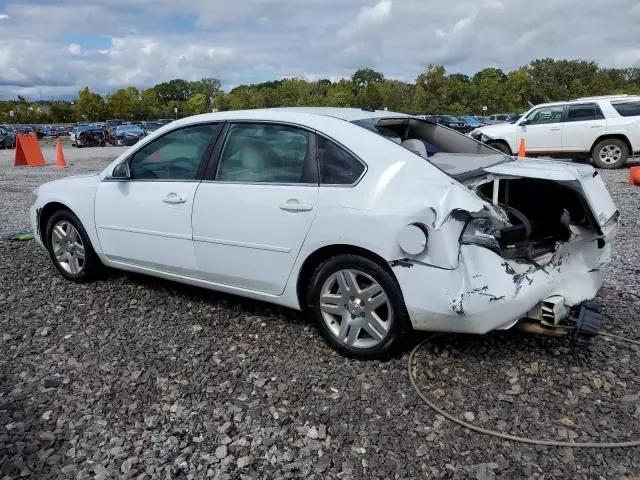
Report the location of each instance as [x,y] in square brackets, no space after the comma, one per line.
[605,130]
[128,134]
[320,209]
[152,126]
[449,121]
[73,135]
[9,135]
[90,136]
[473,121]
[110,128]
[6,140]
[498,118]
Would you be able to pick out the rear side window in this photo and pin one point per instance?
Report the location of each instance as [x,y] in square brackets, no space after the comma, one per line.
[337,166]
[627,109]
[265,153]
[584,112]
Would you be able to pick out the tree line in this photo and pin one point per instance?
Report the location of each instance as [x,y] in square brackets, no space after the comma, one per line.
[433,91]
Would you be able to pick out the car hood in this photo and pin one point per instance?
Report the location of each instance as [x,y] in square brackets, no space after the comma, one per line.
[492,130]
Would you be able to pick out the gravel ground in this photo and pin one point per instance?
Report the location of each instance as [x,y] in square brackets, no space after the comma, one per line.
[132,377]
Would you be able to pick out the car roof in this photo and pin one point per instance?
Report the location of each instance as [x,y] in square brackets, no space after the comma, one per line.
[622,97]
[288,114]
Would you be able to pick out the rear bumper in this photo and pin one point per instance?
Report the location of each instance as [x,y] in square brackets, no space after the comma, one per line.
[486,293]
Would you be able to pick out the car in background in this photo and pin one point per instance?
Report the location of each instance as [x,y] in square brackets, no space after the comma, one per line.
[6,140]
[449,121]
[498,118]
[152,125]
[90,136]
[472,121]
[128,134]
[515,118]
[604,129]
[342,213]
[110,129]
[10,133]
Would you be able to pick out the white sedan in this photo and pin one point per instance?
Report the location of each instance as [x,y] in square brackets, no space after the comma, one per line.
[372,222]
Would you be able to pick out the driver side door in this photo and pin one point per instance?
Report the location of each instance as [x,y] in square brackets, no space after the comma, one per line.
[542,130]
[145,220]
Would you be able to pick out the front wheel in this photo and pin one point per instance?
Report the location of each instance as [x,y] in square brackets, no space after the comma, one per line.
[610,153]
[501,147]
[70,248]
[358,307]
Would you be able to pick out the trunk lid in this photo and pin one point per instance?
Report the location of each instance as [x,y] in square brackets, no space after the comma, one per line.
[583,177]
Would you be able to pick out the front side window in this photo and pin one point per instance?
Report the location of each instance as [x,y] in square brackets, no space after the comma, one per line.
[265,153]
[337,166]
[583,112]
[174,156]
[627,109]
[544,115]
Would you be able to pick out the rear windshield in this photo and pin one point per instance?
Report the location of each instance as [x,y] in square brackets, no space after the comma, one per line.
[458,155]
[627,109]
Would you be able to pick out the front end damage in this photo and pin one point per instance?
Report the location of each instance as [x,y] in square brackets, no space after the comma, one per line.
[532,256]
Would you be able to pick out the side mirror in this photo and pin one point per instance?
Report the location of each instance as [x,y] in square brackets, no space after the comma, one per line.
[121,172]
[523,122]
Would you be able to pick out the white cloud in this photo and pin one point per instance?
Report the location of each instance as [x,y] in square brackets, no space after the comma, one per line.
[47,49]
[75,49]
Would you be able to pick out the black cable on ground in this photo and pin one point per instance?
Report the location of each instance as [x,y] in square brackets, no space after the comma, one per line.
[412,365]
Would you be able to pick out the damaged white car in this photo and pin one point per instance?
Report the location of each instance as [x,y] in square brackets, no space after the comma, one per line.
[375,223]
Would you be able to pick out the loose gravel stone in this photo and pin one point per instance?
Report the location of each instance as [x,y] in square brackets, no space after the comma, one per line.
[123,385]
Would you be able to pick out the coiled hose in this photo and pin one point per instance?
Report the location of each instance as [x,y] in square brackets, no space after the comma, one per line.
[412,364]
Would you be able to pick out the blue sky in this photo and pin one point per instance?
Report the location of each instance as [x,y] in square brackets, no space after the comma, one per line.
[52,48]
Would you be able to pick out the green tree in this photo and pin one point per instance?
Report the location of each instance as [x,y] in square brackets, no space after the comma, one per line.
[89,106]
[341,94]
[364,77]
[125,103]
[198,103]
[150,106]
[176,90]
[61,112]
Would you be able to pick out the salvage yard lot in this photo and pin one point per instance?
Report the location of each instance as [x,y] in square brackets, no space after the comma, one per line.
[141,378]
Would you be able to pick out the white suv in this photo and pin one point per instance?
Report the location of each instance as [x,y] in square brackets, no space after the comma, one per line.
[604,129]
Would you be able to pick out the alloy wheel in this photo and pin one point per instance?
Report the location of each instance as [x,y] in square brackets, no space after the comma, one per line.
[356,309]
[68,248]
[610,154]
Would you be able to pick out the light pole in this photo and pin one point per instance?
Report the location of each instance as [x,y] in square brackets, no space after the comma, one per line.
[175,111]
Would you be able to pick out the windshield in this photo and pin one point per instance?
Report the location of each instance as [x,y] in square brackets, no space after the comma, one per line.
[153,126]
[458,155]
[130,128]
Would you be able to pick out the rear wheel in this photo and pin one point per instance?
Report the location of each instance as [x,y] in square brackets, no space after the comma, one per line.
[610,153]
[358,307]
[70,248]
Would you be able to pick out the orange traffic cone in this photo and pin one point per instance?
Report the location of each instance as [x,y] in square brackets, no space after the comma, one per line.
[522,151]
[60,161]
[634,176]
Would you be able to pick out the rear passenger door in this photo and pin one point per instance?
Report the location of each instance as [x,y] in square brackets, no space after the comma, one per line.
[256,205]
[583,124]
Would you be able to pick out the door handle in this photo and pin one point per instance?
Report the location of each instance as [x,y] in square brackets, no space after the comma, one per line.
[295,206]
[556,129]
[595,126]
[174,199]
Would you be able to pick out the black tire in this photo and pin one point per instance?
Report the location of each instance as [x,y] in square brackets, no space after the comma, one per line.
[617,148]
[399,324]
[91,264]
[501,147]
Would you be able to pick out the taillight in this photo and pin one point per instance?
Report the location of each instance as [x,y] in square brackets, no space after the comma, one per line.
[481,232]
